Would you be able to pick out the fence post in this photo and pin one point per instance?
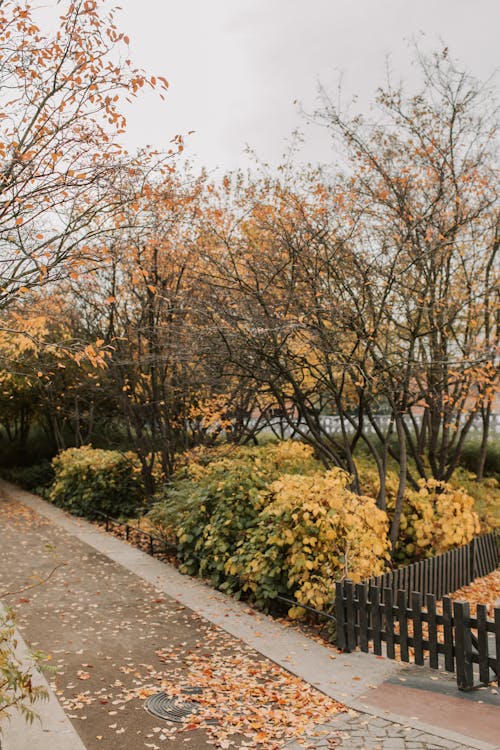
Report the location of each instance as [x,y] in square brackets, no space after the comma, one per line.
[449,659]
[363,617]
[340,615]
[403,625]
[389,623]
[472,559]
[350,616]
[497,640]
[482,643]
[463,645]
[416,607]
[430,605]
[376,619]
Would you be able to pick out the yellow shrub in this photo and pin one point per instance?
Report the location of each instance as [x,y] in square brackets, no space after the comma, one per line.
[441,516]
[313,532]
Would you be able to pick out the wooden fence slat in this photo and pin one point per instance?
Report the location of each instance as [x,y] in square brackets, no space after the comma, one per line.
[496,620]
[443,576]
[389,623]
[492,549]
[463,645]
[396,580]
[478,568]
[482,563]
[405,582]
[340,615]
[449,577]
[363,616]
[376,620]
[454,571]
[416,606]
[449,659]
[442,582]
[403,625]
[350,615]
[482,643]
[430,601]
[439,590]
[486,553]
[411,587]
[471,551]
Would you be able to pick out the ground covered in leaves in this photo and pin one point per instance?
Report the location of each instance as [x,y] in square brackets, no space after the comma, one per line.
[484,590]
[114,641]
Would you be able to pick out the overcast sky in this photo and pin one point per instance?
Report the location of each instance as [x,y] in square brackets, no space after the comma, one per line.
[236,67]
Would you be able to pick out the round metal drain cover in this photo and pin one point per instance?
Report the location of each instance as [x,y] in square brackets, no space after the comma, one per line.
[174,708]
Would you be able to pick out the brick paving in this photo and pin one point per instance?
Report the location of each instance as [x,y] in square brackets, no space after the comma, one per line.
[358,731]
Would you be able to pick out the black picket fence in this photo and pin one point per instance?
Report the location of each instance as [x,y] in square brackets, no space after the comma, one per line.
[364,619]
[401,609]
[445,573]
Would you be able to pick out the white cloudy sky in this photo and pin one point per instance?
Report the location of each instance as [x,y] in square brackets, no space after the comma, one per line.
[236,66]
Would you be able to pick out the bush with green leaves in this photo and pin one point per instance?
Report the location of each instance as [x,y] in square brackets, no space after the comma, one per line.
[268,520]
[91,479]
[213,500]
[17,692]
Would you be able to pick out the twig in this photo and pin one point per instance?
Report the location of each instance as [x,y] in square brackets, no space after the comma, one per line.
[33,585]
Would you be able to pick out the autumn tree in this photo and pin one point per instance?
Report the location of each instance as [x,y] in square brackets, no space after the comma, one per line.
[59,136]
[376,289]
[426,180]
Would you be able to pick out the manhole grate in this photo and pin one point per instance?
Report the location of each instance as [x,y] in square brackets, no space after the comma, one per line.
[174,708]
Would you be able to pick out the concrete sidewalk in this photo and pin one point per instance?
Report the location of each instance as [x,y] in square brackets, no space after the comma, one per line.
[101,568]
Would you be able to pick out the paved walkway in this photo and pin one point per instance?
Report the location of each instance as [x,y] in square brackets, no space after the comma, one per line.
[121,625]
[357,731]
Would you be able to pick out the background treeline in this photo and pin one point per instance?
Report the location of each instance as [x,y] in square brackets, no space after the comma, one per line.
[201,310]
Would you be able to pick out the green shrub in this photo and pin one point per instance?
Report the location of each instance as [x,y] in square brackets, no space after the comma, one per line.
[216,497]
[91,479]
[269,520]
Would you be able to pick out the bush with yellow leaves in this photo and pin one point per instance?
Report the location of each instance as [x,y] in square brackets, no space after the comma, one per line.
[269,520]
[436,518]
[92,479]
[311,532]
[216,496]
